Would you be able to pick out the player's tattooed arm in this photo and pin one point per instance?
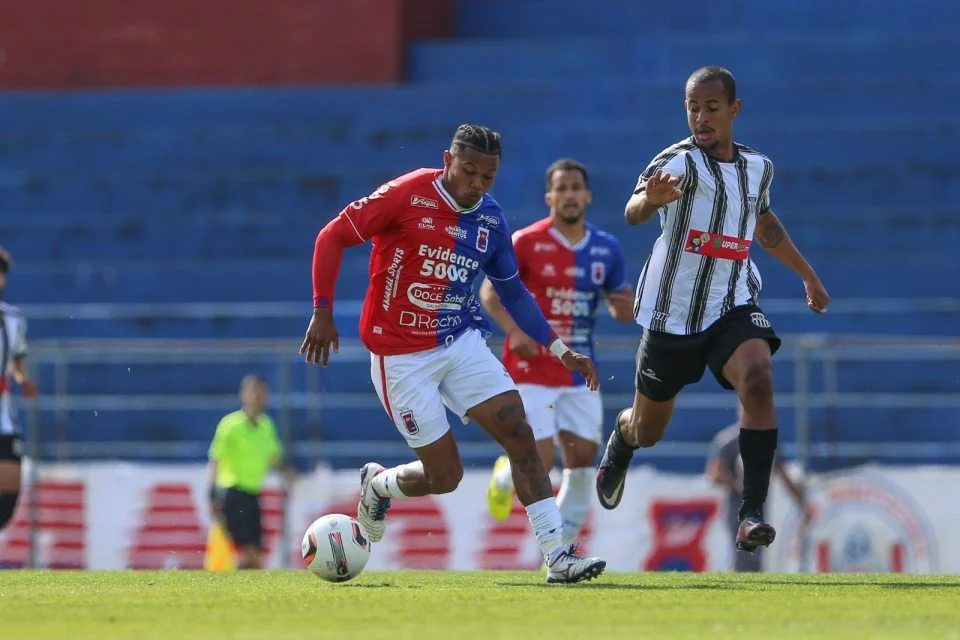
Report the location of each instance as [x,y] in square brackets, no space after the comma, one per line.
[769,232]
[772,236]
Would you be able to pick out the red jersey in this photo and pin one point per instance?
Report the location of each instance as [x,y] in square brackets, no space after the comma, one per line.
[427,253]
[567,282]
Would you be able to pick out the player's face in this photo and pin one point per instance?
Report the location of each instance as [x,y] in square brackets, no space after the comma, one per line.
[254,396]
[568,196]
[469,174]
[710,114]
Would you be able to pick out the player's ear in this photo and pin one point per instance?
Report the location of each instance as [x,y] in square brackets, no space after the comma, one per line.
[447,158]
[548,198]
[735,108]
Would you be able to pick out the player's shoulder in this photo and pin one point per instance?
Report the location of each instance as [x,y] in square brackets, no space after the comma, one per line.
[600,236]
[231,420]
[751,154]
[423,177]
[10,310]
[532,232]
[677,149]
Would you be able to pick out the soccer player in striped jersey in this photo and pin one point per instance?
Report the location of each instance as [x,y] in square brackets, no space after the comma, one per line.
[570,266]
[697,294]
[13,356]
[433,231]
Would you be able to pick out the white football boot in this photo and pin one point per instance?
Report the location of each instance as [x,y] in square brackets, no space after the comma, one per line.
[372,509]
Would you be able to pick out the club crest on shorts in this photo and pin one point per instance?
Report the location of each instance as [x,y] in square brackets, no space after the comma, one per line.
[483,238]
[760,320]
[598,272]
[409,422]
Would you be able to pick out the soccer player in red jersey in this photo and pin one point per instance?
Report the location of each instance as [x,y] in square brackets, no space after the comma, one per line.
[570,266]
[433,231]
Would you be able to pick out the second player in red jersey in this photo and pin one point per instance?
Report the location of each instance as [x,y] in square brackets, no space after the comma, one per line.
[569,266]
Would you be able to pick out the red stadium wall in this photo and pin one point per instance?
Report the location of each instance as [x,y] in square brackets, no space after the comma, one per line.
[57,44]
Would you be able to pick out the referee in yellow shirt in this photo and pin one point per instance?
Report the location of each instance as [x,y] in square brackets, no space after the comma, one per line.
[244,448]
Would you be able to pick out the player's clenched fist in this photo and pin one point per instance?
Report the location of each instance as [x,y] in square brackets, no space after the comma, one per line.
[583,365]
[321,337]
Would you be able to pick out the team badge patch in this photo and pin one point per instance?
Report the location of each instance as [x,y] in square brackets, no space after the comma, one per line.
[483,238]
[409,423]
[598,272]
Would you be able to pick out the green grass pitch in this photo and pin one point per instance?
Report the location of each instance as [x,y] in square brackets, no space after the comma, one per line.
[491,605]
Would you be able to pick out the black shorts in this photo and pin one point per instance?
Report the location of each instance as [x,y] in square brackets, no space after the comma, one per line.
[666,363]
[241,511]
[11,448]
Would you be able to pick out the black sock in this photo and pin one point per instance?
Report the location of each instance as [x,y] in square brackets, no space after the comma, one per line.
[757,449]
[620,451]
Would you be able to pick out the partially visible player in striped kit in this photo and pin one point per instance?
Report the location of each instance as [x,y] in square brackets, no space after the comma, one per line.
[697,294]
[13,355]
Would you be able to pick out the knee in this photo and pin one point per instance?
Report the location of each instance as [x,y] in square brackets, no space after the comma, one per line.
[445,480]
[756,386]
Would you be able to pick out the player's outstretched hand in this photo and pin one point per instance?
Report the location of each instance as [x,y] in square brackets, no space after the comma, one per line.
[584,366]
[662,189]
[817,296]
[321,337]
[522,344]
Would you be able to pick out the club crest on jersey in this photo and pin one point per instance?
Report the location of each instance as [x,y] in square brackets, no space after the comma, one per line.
[409,423]
[752,204]
[483,237]
[598,272]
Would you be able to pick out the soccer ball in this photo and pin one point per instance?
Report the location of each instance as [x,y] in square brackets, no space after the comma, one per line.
[335,548]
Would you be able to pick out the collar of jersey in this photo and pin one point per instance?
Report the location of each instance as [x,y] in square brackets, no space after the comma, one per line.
[438,185]
[559,237]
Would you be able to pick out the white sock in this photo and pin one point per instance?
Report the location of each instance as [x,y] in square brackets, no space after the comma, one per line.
[503,479]
[386,485]
[573,501]
[547,526]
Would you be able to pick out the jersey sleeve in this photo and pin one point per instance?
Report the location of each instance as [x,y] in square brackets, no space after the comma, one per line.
[18,346]
[521,251]
[763,201]
[219,443]
[617,273]
[669,161]
[376,212]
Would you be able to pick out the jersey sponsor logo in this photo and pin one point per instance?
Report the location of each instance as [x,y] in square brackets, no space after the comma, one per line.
[544,246]
[548,270]
[426,223]
[573,272]
[434,297]
[393,276]
[599,251]
[426,203]
[445,264]
[426,323]
[483,237]
[598,272]
[457,232]
[569,302]
[488,220]
[715,245]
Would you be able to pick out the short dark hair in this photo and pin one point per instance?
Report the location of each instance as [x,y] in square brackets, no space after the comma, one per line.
[473,136]
[567,164]
[6,261]
[709,74]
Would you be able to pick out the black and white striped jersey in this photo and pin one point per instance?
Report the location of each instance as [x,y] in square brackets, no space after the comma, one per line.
[13,344]
[700,266]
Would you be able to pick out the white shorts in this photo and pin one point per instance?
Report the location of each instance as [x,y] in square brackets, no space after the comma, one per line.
[553,409]
[415,387]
